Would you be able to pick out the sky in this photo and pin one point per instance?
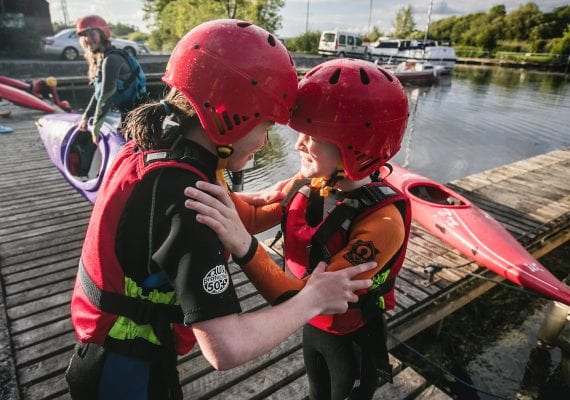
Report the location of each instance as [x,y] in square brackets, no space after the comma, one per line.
[349,15]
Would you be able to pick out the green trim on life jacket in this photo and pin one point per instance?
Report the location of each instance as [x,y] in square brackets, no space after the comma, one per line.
[126,329]
[377,280]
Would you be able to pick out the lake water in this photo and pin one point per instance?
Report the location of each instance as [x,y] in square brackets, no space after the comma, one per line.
[477,119]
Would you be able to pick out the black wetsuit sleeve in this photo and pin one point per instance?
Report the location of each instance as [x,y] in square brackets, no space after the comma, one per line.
[191,254]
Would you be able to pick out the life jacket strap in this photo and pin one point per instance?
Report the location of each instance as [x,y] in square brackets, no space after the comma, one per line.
[355,203]
[140,311]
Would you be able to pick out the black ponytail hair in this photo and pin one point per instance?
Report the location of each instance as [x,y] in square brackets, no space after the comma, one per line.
[146,123]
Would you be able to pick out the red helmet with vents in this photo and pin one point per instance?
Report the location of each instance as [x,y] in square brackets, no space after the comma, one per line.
[358,106]
[92,22]
[236,75]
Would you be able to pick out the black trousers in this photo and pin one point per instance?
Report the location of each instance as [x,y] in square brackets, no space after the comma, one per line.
[339,366]
[91,366]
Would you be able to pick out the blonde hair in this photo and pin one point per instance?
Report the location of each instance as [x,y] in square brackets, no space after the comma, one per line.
[94,59]
[144,124]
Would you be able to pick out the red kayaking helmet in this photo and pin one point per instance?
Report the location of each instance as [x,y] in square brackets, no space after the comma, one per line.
[236,75]
[358,106]
[92,22]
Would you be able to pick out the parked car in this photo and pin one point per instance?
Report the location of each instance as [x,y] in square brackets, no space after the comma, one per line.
[65,44]
[341,44]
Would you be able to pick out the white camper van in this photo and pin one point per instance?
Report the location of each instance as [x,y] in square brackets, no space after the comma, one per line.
[341,44]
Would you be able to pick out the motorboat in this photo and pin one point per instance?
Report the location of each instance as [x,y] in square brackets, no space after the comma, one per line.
[415,72]
[398,50]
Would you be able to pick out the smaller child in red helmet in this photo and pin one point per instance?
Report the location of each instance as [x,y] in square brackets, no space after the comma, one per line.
[351,117]
[152,280]
[46,88]
[117,77]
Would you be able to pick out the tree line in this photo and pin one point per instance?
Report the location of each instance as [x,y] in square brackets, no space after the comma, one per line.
[525,29]
[173,18]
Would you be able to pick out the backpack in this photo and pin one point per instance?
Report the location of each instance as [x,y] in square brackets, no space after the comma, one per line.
[132,91]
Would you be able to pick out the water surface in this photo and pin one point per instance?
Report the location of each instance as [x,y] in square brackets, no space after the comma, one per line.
[477,119]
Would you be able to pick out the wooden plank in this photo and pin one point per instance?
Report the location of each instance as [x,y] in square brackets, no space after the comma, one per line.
[47,303]
[38,321]
[46,349]
[433,393]
[275,375]
[295,390]
[61,254]
[53,387]
[406,384]
[24,280]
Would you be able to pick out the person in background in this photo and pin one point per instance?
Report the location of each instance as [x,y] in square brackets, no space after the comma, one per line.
[352,116]
[46,88]
[118,80]
[152,280]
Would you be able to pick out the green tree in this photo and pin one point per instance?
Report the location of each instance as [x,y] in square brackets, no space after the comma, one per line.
[173,18]
[561,45]
[138,36]
[495,12]
[404,24]
[441,29]
[561,17]
[58,26]
[308,42]
[122,30]
[519,23]
[375,34]
[265,13]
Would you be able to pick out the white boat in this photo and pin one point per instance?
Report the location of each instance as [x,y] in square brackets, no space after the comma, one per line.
[398,50]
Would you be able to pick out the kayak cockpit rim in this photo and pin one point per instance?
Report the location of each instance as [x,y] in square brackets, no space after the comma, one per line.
[436,195]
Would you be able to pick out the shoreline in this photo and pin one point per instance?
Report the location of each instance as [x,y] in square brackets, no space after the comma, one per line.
[156,63]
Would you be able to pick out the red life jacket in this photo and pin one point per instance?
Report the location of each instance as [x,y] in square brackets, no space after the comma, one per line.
[331,235]
[99,297]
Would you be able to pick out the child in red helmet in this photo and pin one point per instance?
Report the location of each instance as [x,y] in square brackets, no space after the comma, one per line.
[46,88]
[116,76]
[351,116]
[152,280]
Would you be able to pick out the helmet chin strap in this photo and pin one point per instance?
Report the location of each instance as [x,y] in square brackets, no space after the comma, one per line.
[224,153]
[326,184]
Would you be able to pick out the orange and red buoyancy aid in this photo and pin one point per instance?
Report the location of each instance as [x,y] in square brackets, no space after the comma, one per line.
[307,245]
[106,302]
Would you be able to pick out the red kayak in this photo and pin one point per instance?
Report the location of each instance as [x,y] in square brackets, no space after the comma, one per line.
[24,99]
[14,83]
[475,234]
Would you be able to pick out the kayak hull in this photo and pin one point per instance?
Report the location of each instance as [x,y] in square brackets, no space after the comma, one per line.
[23,99]
[18,84]
[475,234]
[60,134]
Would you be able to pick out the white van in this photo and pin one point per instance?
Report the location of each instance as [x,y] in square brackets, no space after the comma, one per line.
[341,44]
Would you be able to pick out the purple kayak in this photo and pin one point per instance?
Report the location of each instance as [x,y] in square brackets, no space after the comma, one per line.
[82,163]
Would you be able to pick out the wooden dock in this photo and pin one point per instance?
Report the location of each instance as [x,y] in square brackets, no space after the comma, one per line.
[43,221]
